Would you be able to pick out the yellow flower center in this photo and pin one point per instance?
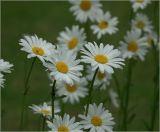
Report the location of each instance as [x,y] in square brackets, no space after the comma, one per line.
[62,67]
[100,75]
[38,51]
[101,58]
[96,121]
[63,129]
[132,46]
[71,88]
[140,1]
[45,112]
[103,24]
[140,24]
[73,43]
[85,5]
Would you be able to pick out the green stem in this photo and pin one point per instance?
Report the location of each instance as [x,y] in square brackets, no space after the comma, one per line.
[126,101]
[43,124]
[53,98]
[90,91]
[25,94]
[87,29]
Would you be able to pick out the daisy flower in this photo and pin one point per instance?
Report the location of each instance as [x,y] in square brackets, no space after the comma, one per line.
[139,4]
[134,45]
[98,119]
[142,23]
[74,92]
[63,66]
[72,39]
[102,57]
[36,47]
[151,37]
[85,9]
[105,25]
[5,66]
[1,80]
[65,124]
[102,79]
[45,109]
[114,98]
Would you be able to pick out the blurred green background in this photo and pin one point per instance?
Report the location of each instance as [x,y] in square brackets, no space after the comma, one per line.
[47,19]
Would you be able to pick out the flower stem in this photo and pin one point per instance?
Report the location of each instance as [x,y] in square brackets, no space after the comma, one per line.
[127,89]
[87,30]
[90,91]
[25,94]
[53,98]
[43,123]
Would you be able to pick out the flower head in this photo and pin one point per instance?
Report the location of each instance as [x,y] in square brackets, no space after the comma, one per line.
[98,119]
[36,47]
[63,66]
[142,23]
[139,4]
[114,98]
[102,57]
[74,92]
[65,124]
[72,39]
[45,109]
[152,38]
[5,67]
[134,45]
[1,80]
[85,9]
[105,25]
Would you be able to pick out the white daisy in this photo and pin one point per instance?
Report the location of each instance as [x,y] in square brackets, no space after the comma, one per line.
[134,45]
[45,109]
[106,25]
[139,4]
[1,80]
[102,57]
[85,9]
[151,37]
[102,79]
[65,124]
[73,92]
[98,119]
[114,98]
[36,47]
[142,23]
[5,66]
[72,39]
[64,66]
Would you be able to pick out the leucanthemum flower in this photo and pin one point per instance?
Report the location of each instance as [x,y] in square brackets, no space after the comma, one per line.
[5,67]
[105,25]
[36,47]
[142,23]
[85,9]
[102,79]
[74,92]
[98,119]
[134,45]
[72,39]
[65,124]
[114,98]
[151,37]
[103,57]
[45,109]
[139,4]
[1,80]
[64,67]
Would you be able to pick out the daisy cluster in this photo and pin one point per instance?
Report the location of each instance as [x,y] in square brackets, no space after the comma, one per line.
[73,61]
[5,67]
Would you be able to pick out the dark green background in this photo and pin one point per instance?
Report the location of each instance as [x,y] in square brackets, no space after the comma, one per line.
[47,19]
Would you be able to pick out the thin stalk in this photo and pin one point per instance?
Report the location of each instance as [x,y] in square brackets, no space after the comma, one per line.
[87,29]
[43,123]
[126,101]
[90,91]
[26,88]
[53,98]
